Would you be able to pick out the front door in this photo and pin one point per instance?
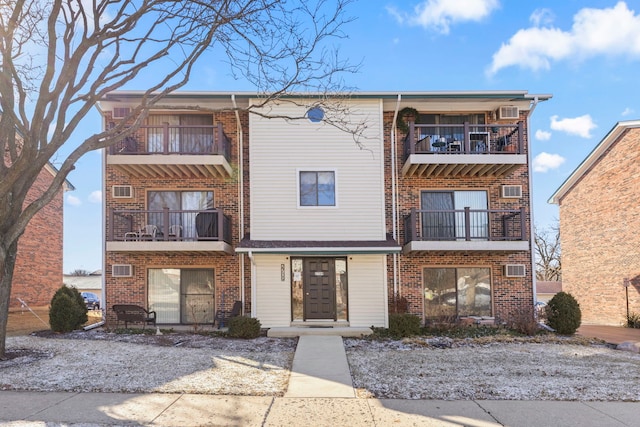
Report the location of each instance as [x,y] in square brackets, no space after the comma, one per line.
[319,288]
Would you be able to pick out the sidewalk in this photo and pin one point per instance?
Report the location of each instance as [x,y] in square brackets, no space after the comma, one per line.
[36,409]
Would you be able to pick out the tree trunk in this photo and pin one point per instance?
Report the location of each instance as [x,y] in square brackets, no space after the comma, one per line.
[7,263]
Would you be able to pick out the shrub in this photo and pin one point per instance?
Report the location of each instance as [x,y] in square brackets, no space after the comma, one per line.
[68,310]
[633,320]
[244,327]
[404,325]
[563,313]
[523,321]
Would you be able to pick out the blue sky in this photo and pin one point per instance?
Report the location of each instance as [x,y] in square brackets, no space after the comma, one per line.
[586,53]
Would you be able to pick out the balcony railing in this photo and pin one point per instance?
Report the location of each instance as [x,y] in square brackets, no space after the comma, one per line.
[464,138]
[169,225]
[171,139]
[466,225]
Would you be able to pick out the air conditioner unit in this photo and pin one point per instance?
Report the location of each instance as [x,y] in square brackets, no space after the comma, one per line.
[508,112]
[122,270]
[122,191]
[121,112]
[512,191]
[515,270]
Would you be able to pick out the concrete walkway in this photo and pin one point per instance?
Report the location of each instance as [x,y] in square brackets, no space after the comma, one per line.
[320,369]
[104,409]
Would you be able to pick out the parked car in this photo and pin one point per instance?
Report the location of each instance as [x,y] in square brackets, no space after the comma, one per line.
[91,300]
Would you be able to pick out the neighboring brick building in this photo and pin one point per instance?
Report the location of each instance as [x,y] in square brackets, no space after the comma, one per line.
[306,227]
[600,228]
[38,270]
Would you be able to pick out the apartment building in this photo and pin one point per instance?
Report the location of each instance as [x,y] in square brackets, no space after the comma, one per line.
[313,215]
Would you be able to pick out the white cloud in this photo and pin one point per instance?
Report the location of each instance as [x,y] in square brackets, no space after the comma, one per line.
[545,161]
[95,196]
[628,111]
[439,15]
[580,126]
[73,200]
[541,17]
[543,135]
[595,32]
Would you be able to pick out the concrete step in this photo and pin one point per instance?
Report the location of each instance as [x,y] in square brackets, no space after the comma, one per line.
[299,331]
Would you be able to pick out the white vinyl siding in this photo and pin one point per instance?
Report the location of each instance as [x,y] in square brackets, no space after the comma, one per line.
[273,295]
[367,290]
[280,149]
[367,302]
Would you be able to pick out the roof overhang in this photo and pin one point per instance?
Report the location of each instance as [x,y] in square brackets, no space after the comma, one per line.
[315,247]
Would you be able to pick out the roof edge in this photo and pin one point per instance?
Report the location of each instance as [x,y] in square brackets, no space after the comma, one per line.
[592,158]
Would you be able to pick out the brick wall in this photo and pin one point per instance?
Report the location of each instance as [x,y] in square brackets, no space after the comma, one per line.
[508,294]
[227,275]
[38,270]
[600,224]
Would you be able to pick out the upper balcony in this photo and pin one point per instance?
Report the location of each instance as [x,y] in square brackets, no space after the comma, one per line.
[465,230]
[169,230]
[173,151]
[463,149]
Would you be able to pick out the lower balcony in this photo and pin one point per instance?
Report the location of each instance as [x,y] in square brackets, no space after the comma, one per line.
[465,230]
[169,230]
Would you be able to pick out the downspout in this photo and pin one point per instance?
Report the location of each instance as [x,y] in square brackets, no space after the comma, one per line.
[534,104]
[394,194]
[240,194]
[253,283]
[103,292]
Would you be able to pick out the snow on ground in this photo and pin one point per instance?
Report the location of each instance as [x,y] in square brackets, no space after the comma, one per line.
[436,368]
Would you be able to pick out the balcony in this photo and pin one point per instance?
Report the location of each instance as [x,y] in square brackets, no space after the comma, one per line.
[465,230]
[167,151]
[463,150]
[187,231]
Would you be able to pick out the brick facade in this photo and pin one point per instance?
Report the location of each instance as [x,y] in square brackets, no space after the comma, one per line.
[233,270]
[38,270]
[508,294]
[600,220]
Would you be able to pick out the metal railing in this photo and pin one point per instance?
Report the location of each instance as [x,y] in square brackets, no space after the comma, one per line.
[171,139]
[464,138]
[168,225]
[467,224]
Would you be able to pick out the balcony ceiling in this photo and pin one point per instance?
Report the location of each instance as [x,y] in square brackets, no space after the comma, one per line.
[211,248]
[172,166]
[472,165]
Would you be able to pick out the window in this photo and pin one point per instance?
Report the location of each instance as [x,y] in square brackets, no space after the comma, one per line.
[452,292]
[187,204]
[182,296]
[188,133]
[317,188]
[444,216]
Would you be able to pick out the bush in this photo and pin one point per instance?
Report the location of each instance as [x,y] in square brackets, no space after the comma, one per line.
[633,320]
[68,310]
[399,304]
[563,313]
[523,321]
[404,325]
[244,327]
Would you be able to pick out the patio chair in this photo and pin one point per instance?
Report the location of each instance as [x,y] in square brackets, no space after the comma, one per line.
[175,232]
[148,232]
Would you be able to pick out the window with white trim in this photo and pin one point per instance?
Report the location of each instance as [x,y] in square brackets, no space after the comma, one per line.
[317,188]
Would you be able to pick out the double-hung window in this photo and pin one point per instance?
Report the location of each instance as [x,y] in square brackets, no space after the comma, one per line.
[317,188]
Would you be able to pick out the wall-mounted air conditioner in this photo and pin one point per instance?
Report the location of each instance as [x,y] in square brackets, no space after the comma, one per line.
[122,270]
[508,112]
[122,191]
[515,270]
[511,191]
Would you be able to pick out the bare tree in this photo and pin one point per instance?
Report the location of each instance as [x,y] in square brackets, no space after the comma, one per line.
[80,272]
[548,254]
[59,58]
